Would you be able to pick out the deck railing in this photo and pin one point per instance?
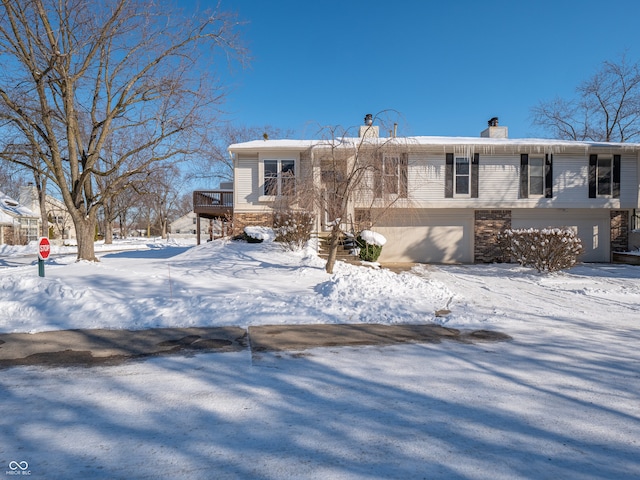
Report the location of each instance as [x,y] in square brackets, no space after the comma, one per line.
[213,202]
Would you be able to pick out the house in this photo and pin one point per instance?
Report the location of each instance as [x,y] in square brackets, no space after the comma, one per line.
[18,224]
[459,191]
[186,227]
[60,222]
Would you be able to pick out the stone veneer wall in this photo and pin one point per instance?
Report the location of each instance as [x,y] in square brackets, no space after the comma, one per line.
[241,220]
[619,230]
[487,225]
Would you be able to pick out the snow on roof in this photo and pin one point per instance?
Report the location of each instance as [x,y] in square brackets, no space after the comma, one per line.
[10,209]
[6,219]
[427,141]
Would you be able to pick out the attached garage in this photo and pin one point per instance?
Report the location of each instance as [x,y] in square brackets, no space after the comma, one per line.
[591,225]
[428,236]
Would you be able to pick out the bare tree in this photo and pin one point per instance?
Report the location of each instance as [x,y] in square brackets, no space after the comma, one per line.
[11,177]
[76,71]
[214,163]
[354,181]
[606,109]
[162,195]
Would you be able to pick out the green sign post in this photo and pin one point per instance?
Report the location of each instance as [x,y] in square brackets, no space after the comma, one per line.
[44,250]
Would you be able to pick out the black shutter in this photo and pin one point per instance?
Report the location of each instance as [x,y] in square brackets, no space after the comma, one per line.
[448,176]
[593,167]
[474,175]
[616,177]
[524,175]
[548,175]
[404,175]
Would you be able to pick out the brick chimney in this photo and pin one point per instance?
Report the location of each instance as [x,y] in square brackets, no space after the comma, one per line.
[495,131]
[368,129]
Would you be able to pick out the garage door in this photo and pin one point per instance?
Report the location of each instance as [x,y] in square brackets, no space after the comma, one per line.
[428,236]
[592,226]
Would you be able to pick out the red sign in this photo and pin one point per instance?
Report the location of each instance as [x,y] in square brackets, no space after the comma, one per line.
[44,248]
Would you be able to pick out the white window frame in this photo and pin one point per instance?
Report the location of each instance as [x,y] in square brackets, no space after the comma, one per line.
[391,175]
[278,178]
[542,176]
[457,175]
[609,159]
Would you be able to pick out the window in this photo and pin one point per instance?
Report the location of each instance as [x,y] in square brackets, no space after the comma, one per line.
[536,176]
[279,177]
[333,170]
[461,175]
[392,176]
[603,177]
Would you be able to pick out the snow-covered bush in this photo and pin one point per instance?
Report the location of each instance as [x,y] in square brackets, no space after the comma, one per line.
[370,245]
[292,228]
[549,249]
[253,234]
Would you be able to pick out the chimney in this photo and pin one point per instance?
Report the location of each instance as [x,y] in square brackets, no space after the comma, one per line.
[494,131]
[368,130]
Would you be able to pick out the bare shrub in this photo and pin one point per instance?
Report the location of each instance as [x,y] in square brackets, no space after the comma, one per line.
[549,249]
[292,228]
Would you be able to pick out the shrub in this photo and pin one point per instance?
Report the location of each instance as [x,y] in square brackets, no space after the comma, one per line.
[256,234]
[292,228]
[550,249]
[370,245]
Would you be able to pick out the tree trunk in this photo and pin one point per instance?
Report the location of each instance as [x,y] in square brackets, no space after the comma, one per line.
[108,224]
[163,226]
[41,189]
[334,243]
[108,233]
[43,212]
[123,225]
[85,231]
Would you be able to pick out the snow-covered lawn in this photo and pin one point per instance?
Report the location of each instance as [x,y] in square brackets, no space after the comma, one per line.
[562,400]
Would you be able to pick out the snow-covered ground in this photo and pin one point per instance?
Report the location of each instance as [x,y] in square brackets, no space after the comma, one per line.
[562,400]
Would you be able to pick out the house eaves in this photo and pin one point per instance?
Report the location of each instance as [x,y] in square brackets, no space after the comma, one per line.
[426,143]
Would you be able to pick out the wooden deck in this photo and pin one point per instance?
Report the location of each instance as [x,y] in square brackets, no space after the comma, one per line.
[212,204]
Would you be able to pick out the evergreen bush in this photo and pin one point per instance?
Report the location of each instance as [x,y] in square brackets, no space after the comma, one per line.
[370,245]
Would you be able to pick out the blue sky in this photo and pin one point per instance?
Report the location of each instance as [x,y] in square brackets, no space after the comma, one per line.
[445,67]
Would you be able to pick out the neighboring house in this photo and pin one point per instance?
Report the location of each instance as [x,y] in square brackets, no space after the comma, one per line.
[18,224]
[60,222]
[461,191]
[186,227]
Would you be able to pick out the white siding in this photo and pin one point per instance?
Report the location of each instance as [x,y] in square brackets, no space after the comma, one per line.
[498,178]
[499,183]
[246,188]
[571,180]
[426,178]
